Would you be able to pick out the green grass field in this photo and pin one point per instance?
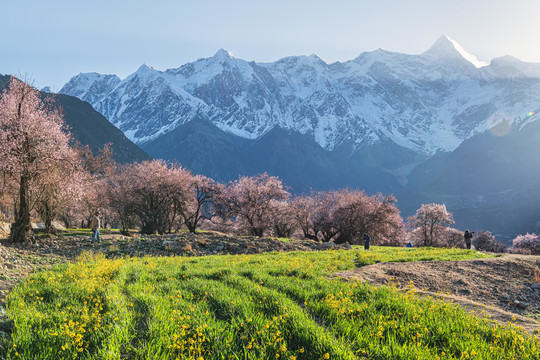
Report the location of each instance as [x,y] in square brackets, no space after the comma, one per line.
[402,254]
[269,306]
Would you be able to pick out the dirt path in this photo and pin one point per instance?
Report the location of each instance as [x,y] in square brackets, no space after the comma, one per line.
[503,287]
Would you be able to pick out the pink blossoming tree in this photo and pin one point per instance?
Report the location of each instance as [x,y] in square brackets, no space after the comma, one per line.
[196,204]
[345,215]
[526,244]
[431,220]
[154,192]
[250,201]
[35,152]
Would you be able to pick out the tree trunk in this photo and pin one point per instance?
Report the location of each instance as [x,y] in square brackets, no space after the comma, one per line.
[257,231]
[21,228]
[311,237]
[192,227]
[125,227]
[48,226]
[47,215]
[149,227]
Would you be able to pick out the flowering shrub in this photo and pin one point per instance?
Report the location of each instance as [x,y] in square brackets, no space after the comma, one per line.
[526,244]
[345,215]
[485,241]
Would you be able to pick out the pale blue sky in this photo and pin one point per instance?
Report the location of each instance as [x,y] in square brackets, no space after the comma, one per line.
[50,41]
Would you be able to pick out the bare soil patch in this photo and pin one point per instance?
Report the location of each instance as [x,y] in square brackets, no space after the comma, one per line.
[503,288]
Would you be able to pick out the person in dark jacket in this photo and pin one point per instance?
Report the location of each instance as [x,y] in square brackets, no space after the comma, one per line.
[468,238]
[367,239]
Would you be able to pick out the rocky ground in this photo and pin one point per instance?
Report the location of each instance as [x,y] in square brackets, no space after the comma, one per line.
[504,288]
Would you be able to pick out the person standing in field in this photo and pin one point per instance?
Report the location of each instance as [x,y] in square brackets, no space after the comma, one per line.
[468,236]
[367,239]
[94,225]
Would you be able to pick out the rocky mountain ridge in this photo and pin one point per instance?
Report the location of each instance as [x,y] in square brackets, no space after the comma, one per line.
[426,103]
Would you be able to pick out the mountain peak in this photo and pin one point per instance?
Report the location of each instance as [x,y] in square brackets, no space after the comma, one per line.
[444,41]
[445,47]
[144,67]
[303,60]
[222,54]
[316,59]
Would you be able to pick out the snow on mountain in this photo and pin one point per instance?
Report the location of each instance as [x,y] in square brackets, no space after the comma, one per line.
[243,95]
[90,86]
[147,104]
[445,47]
[508,67]
[426,103]
[470,57]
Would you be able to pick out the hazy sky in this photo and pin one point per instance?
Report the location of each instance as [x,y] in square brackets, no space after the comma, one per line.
[50,41]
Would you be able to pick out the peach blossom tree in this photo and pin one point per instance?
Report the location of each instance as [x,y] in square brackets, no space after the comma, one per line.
[485,241]
[431,220]
[526,244]
[249,201]
[153,190]
[376,215]
[196,204]
[283,218]
[345,215]
[117,191]
[35,151]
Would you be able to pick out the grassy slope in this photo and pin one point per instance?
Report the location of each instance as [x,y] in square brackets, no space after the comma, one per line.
[392,254]
[279,305]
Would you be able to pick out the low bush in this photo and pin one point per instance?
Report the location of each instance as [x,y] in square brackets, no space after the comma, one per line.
[526,244]
[485,241]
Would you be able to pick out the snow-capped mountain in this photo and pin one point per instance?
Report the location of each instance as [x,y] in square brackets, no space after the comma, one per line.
[426,103]
[440,126]
[90,86]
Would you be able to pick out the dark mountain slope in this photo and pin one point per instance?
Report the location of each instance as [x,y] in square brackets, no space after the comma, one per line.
[202,148]
[90,127]
[298,160]
[484,164]
[490,182]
